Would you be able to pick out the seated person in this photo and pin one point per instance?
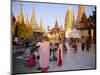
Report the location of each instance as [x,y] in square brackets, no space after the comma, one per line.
[31,60]
[27,51]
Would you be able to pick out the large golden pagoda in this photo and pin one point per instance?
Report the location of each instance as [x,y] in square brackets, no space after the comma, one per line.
[69,19]
[20,17]
[33,21]
[69,22]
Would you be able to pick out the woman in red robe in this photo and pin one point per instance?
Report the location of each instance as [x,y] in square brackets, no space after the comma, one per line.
[60,52]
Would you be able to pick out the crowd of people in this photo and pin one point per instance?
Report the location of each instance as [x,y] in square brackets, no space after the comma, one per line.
[47,50]
[85,43]
[52,50]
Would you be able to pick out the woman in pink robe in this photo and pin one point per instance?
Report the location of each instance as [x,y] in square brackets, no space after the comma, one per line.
[44,52]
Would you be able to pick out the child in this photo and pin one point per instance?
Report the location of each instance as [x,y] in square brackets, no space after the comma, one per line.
[55,51]
[51,51]
[27,51]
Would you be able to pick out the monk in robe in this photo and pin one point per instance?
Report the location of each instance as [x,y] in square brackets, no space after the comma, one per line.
[44,52]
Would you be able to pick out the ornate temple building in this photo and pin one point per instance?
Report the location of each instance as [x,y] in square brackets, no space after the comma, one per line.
[81,21]
[69,22]
[84,24]
[81,10]
[27,30]
[56,32]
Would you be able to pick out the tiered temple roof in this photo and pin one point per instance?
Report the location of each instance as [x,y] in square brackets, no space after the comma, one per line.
[81,10]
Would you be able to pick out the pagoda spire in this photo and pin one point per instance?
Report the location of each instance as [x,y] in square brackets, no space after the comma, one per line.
[21,25]
[20,16]
[56,24]
[27,19]
[33,21]
[41,25]
[28,27]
